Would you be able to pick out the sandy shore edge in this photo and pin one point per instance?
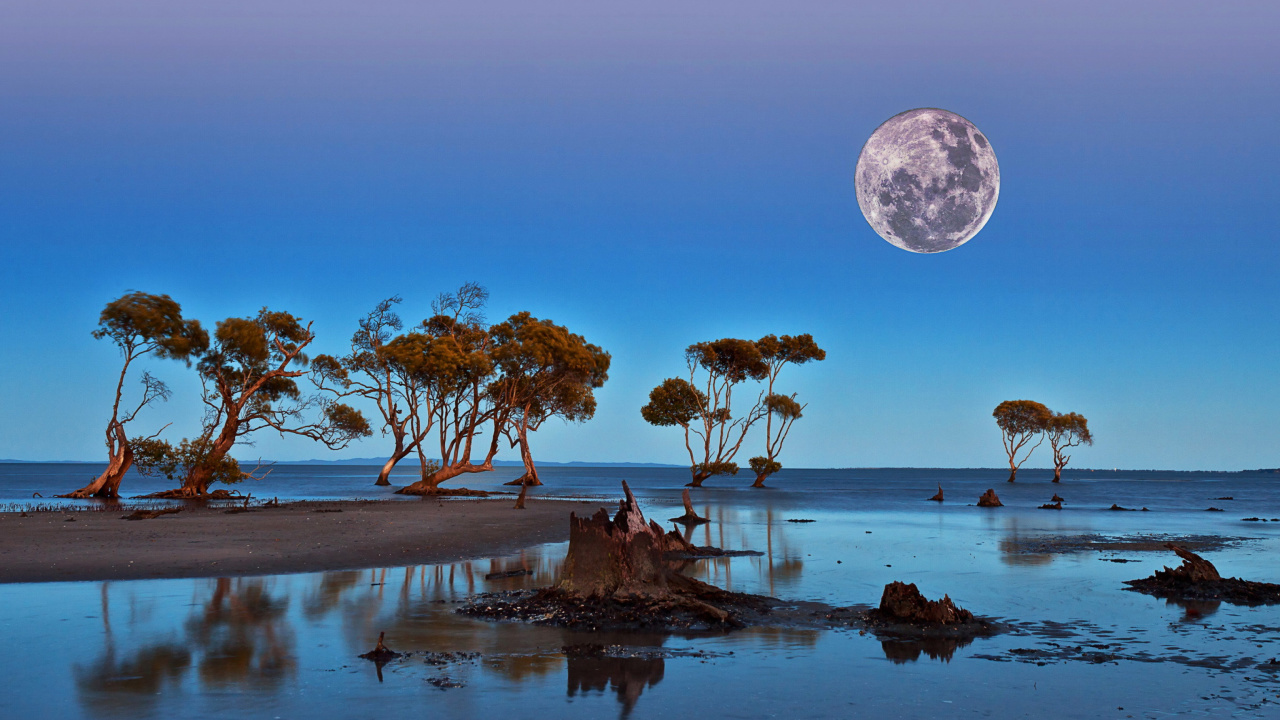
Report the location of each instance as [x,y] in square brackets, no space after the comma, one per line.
[297,537]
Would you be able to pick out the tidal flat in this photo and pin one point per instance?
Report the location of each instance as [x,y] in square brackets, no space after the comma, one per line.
[1075,643]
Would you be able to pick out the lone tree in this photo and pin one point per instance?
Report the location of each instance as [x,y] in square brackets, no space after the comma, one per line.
[778,353]
[385,372]
[1020,421]
[1066,431]
[707,412]
[545,371]
[139,324]
[248,376]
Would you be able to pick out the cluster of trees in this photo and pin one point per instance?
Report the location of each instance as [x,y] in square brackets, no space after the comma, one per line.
[451,378]
[701,404]
[1022,421]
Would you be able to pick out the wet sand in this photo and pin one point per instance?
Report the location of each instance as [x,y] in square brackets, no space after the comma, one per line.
[298,537]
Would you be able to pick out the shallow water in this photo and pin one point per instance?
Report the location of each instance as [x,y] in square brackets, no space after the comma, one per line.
[286,646]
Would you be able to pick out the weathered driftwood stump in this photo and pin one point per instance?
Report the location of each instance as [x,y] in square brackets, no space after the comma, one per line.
[524,490]
[903,602]
[1052,506]
[689,517]
[938,497]
[622,556]
[989,499]
[1198,579]
[1057,499]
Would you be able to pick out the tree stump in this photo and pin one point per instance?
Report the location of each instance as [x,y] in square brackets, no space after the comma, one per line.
[689,517]
[989,499]
[938,497]
[1194,569]
[380,653]
[1056,499]
[524,490]
[902,601]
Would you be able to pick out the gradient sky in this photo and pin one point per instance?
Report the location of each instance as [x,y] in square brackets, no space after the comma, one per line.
[654,174]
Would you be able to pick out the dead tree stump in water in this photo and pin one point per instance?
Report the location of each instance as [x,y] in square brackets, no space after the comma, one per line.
[938,497]
[989,499]
[381,653]
[1194,569]
[524,489]
[902,601]
[689,517]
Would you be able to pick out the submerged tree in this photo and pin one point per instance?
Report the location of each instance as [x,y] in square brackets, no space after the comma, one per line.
[139,324]
[248,378]
[707,412]
[778,353]
[1066,431]
[385,372]
[1020,421]
[785,410]
[545,371]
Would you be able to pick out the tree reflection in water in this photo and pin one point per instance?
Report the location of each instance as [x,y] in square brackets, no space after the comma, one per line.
[239,637]
[909,650]
[627,676]
[242,635]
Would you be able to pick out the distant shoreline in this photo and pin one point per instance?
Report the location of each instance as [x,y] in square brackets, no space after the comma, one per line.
[295,538]
[377,463]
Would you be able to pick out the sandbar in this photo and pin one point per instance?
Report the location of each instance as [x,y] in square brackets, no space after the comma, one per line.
[295,537]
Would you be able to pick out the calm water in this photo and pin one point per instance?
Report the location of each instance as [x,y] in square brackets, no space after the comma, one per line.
[285,646]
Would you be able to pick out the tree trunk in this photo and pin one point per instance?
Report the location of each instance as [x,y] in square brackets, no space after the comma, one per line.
[690,517]
[1057,473]
[524,490]
[107,485]
[698,477]
[760,478]
[530,476]
[385,475]
[1013,472]
[430,484]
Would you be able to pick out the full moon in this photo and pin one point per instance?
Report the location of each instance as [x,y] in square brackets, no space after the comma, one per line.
[927,180]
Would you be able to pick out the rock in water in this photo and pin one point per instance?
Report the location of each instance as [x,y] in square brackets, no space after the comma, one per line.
[903,602]
[989,499]
[1052,506]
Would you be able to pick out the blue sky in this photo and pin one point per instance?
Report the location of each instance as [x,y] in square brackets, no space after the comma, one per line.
[654,174]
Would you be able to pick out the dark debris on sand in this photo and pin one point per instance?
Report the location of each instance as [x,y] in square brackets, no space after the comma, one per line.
[1198,579]
[550,606]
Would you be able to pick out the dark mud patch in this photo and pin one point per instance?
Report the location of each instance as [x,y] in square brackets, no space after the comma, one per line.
[670,614]
[1065,544]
